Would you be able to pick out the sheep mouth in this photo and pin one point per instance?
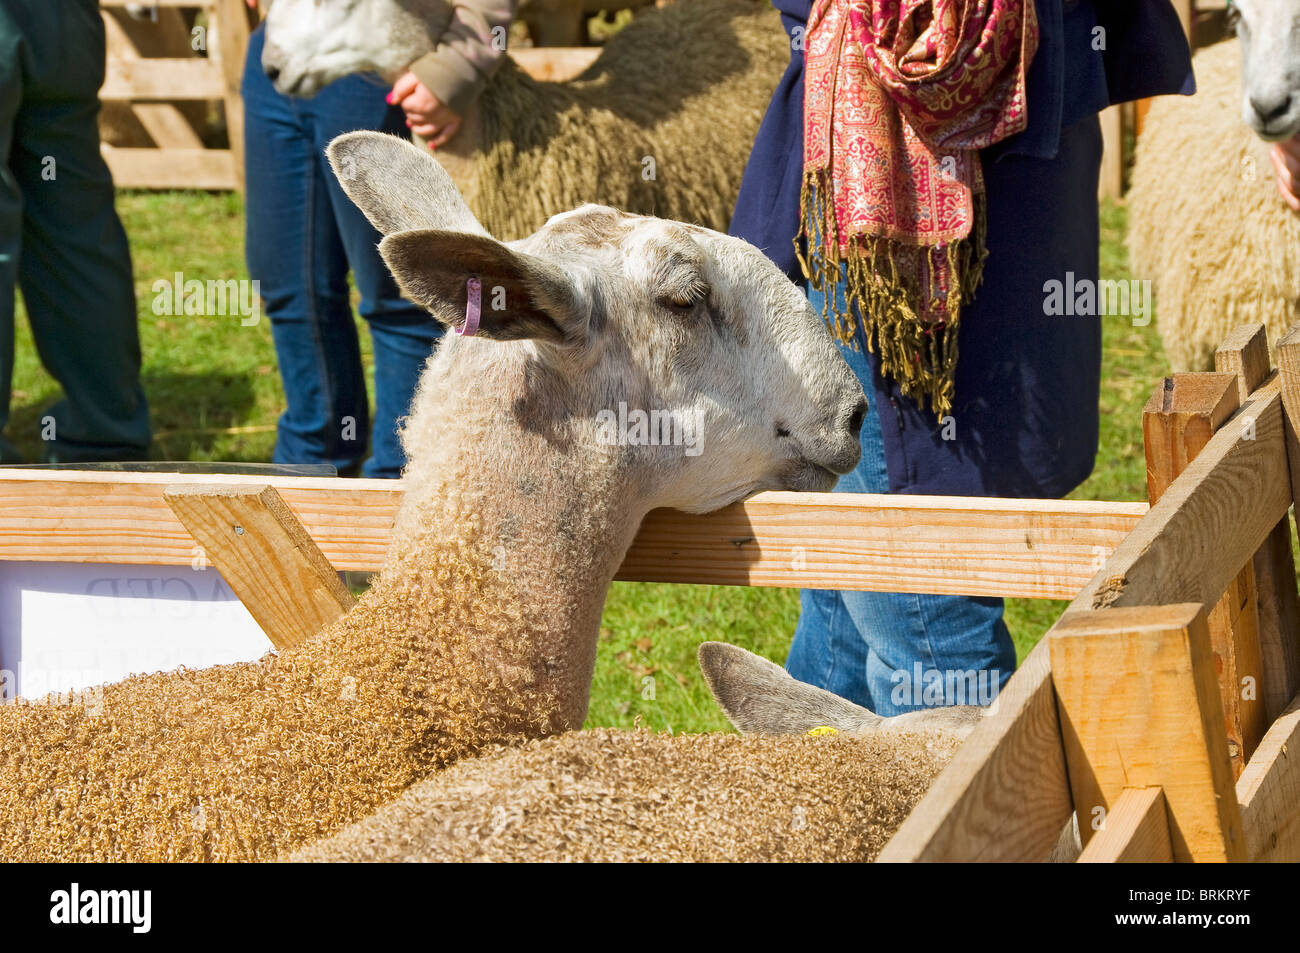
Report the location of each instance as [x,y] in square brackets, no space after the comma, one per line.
[803,475]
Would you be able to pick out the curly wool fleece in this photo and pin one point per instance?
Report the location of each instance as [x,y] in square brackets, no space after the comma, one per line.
[608,795]
[240,762]
[1206,223]
[662,123]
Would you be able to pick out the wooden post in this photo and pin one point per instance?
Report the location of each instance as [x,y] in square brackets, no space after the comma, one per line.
[1245,353]
[264,554]
[1140,707]
[1110,185]
[1177,423]
[1136,831]
[231,48]
[1283,672]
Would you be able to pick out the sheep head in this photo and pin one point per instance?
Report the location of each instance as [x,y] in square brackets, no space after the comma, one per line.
[1269,33]
[760,697]
[311,43]
[681,356]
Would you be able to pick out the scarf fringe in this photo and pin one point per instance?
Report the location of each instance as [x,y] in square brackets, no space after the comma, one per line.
[882,301]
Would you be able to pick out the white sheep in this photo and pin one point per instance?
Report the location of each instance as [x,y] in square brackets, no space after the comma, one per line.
[482,627]
[1206,223]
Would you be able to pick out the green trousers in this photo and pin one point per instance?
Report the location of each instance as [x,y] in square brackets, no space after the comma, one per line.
[60,238]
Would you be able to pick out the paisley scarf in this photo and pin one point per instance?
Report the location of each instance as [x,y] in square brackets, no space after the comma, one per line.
[899,96]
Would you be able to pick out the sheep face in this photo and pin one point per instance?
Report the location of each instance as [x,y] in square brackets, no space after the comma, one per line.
[311,43]
[680,358]
[1269,32]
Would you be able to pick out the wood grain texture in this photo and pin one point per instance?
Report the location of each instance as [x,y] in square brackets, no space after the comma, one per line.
[1283,661]
[1031,548]
[1005,795]
[1177,422]
[1195,539]
[1139,707]
[266,556]
[1269,792]
[1245,353]
[1136,831]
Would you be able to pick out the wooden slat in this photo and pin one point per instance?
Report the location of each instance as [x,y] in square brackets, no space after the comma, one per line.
[1177,422]
[1136,831]
[1245,353]
[1110,183]
[164,123]
[885,543]
[898,543]
[1139,707]
[1282,662]
[265,555]
[228,54]
[163,78]
[1193,542]
[1269,792]
[171,168]
[167,126]
[1005,795]
[154,3]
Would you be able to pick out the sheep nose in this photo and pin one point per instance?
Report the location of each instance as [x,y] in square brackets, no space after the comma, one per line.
[1272,108]
[856,418]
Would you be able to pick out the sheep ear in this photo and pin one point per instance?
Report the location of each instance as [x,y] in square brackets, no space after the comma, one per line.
[522,296]
[398,186]
[760,697]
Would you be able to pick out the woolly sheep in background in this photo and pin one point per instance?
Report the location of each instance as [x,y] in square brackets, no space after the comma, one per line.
[1206,223]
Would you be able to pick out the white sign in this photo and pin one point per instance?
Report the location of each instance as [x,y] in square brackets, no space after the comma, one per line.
[66,627]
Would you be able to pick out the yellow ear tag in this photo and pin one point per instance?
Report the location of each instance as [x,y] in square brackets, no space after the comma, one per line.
[823,730]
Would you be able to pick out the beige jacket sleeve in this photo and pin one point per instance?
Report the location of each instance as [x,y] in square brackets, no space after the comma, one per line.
[468,53]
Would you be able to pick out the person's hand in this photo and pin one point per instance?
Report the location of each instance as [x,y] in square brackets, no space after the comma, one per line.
[1286,165]
[428,116]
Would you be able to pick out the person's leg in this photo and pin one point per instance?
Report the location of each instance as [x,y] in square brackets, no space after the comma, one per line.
[1042,224]
[867,646]
[75,268]
[293,248]
[11,216]
[403,335]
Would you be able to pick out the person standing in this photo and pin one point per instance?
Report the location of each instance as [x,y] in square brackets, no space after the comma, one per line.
[304,236]
[60,237]
[928,175]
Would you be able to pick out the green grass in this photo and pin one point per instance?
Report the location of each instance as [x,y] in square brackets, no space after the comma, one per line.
[215,395]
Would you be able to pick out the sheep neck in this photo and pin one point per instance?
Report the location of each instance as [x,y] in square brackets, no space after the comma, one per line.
[538,519]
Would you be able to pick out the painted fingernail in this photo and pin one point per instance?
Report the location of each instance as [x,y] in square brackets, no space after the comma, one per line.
[408,124]
[389,99]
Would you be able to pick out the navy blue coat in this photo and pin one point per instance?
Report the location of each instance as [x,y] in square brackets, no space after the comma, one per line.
[1027,386]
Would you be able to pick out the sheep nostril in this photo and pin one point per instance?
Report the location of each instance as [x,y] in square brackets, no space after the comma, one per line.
[858,417]
[272,72]
[1268,110]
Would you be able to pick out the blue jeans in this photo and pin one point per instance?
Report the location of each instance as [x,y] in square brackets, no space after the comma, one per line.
[897,652]
[303,236]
